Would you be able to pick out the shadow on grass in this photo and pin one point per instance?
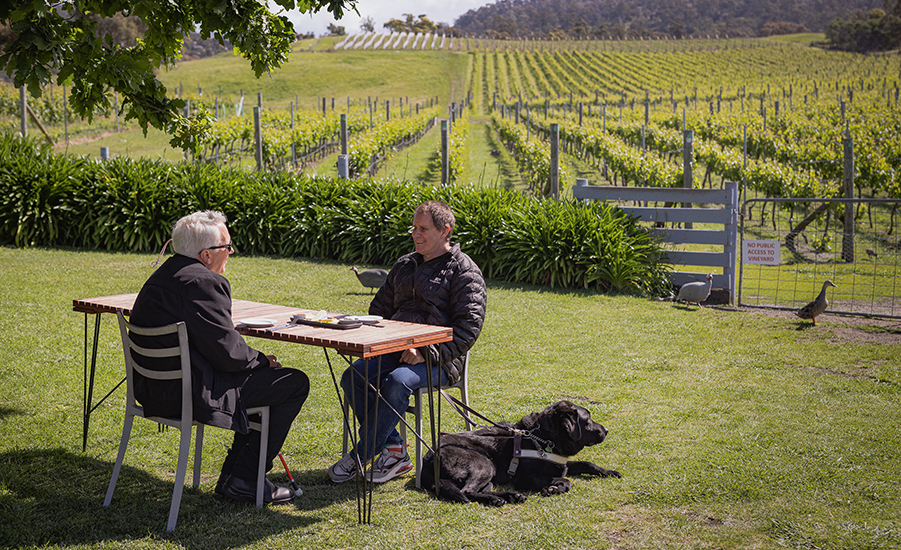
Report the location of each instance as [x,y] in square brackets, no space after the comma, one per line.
[55,497]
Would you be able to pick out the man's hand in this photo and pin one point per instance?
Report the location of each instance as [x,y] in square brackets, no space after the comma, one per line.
[273,362]
[412,357]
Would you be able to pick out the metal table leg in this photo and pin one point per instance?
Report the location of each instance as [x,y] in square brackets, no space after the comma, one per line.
[88,391]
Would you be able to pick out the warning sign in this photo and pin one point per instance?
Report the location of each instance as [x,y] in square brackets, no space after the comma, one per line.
[761,252]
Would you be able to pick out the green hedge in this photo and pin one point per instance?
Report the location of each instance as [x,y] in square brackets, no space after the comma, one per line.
[48,199]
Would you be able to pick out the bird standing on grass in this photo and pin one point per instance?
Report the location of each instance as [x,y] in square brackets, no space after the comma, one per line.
[816,307]
[695,292]
[371,278]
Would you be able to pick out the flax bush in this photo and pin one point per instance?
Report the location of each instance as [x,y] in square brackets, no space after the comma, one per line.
[124,204]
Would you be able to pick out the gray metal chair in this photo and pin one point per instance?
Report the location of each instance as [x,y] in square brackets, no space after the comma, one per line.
[186,422]
[416,410]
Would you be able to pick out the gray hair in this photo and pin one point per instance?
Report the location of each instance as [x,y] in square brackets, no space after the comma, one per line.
[196,232]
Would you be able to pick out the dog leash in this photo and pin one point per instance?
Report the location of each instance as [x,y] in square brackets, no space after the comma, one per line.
[545,453]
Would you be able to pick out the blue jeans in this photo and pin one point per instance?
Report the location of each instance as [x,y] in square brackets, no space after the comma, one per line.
[398,382]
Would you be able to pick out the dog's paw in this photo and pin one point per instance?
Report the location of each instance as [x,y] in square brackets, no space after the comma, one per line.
[557,487]
[512,497]
[610,473]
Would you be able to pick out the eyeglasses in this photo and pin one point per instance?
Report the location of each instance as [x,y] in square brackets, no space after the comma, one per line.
[231,249]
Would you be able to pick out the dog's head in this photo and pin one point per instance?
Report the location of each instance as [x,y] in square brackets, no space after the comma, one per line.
[567,425]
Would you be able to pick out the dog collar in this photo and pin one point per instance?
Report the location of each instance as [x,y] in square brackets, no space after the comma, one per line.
[542,454]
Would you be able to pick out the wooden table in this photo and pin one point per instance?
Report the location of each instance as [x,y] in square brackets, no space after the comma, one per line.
[365,342]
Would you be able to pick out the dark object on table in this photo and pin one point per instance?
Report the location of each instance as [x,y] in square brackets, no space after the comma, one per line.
[532,454]
[816,307]
[695,292]
[371,278]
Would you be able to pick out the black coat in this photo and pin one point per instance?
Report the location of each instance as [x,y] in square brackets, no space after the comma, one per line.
[183,289]
[446,291]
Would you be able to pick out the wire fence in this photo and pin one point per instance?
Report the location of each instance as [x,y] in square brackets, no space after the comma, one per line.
[790,247]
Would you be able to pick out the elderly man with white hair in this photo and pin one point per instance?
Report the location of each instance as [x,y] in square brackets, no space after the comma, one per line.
[228,375]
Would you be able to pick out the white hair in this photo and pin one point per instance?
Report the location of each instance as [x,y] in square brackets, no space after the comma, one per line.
[196,232]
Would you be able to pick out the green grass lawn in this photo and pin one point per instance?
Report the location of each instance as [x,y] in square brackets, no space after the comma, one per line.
[732,429]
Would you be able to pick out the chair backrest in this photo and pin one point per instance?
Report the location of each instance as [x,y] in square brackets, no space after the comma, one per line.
[135,353]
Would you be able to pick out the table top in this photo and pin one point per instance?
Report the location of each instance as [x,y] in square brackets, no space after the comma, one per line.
[366,341]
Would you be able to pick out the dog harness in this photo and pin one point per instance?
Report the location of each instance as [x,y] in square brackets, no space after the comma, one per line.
[542,454]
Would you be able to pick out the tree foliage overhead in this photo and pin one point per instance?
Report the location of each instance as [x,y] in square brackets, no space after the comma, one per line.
[66,42]
[634,18]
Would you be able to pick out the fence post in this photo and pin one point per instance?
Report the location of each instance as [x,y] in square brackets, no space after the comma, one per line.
[343,134]
[555,161]
[445,165]
[65,114]
[23,109]
[342,165]
[731,246]
[848,236]
[257,139]
[687,156]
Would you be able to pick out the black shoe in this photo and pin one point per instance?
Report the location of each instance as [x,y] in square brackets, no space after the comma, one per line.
[241,490]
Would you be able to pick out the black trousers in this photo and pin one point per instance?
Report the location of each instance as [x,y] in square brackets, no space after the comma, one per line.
[284,390]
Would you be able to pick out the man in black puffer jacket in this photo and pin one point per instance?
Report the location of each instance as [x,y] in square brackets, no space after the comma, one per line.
[436,285]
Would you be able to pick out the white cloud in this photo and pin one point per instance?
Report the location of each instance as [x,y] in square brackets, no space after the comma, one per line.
[438,11]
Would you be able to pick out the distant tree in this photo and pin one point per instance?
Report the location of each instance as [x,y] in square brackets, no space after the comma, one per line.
[64,41]
[677,29]
[875,30]
[335,30]
[367,24]
[395,25]
[410,24]
[423,25]
[780,27]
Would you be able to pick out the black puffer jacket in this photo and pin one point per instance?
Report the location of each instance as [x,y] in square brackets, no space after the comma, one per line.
[446,291]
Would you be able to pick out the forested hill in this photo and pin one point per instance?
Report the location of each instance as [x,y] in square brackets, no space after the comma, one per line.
[634,18]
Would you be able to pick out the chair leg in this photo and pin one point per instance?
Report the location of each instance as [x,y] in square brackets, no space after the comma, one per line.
[123,445]
[264,449]
[198,455]
[417,412]
[184,448]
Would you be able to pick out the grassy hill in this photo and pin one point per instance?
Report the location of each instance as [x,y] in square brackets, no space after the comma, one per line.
[310,76]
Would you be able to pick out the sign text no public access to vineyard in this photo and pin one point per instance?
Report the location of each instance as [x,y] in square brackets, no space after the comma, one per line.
[761,252]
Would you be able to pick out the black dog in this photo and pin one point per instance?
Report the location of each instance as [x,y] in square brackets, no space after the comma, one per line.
[473,463]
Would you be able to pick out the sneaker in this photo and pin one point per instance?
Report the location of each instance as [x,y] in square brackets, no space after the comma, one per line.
[393,462]
[343,470]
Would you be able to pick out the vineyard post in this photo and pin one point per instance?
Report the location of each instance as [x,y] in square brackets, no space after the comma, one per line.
[370,116]
[444,154]
[848,235]
[292,116]
[343,134]
[23,108]
[216,107]
[387,110]
[555,161]
[580,114]
[116,108]
[687,153]
[257,139]
[65,115]
[647,107]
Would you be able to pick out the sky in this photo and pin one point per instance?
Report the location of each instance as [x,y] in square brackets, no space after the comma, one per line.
[438,11]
